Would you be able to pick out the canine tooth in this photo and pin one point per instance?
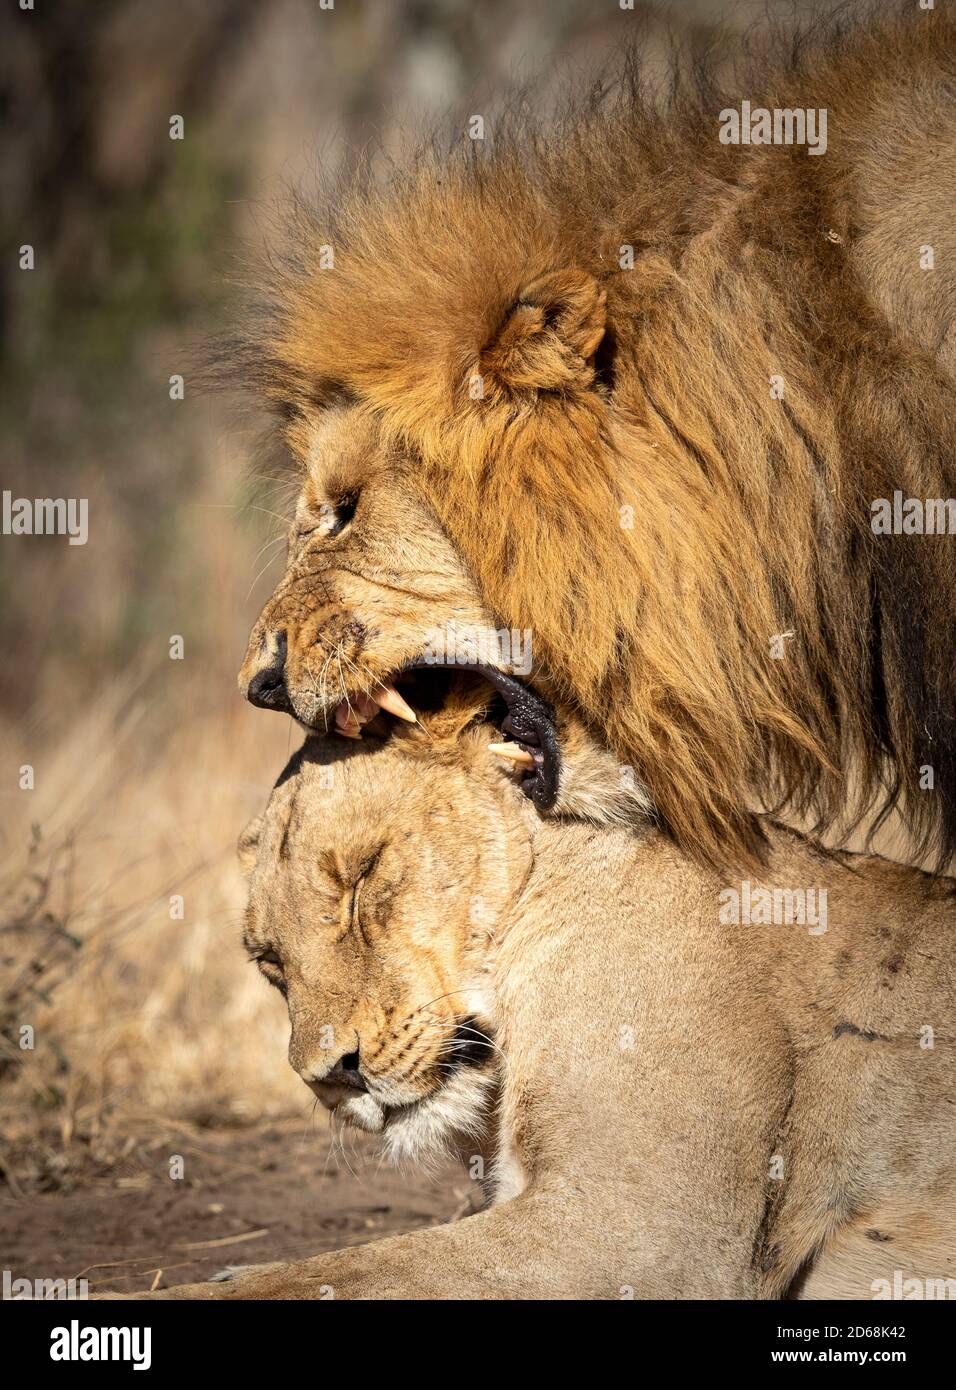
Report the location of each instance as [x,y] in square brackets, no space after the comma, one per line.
[389,698]
[517,755]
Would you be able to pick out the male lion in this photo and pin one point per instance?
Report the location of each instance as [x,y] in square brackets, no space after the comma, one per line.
[665,1105]
[656,387]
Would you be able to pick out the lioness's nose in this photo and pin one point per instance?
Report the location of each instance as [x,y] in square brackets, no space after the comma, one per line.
[343,1072]
[267,688]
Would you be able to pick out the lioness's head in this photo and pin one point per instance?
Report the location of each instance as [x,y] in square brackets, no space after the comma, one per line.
[382,871]
[379,874]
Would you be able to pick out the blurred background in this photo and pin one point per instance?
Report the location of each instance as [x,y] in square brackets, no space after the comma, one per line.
[151,1034]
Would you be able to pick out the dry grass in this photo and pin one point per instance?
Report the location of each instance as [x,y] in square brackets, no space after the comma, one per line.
[141,790]
[135,1015]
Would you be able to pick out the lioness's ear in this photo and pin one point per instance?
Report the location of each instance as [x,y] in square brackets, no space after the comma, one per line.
[248,844]
[550,334]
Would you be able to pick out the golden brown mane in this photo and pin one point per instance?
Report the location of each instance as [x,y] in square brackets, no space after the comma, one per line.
[607,447]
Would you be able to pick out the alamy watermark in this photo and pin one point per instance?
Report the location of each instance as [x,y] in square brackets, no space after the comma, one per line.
[782,907]
[76,1343]
[756,125]
[40,1290]
[913,516]
[913,1290]
[506,649]
[46,516]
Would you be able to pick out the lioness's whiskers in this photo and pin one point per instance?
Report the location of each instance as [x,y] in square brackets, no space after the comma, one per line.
[437,1000]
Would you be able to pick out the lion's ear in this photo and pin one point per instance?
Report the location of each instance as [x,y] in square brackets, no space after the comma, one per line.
[550,334]
[248,844]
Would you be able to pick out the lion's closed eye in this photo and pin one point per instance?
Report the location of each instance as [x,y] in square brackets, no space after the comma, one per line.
[333,517]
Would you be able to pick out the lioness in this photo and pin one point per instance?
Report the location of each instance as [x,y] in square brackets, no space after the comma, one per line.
[666,1104]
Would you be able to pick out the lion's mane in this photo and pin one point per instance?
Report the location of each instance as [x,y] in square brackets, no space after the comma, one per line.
[605,443]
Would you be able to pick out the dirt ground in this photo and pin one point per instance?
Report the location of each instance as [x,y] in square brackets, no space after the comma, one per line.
[246,1197]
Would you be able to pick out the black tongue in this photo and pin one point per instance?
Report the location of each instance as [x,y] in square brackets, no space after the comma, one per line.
[530,720]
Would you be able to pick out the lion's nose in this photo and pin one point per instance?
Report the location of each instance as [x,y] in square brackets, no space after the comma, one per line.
[267,689]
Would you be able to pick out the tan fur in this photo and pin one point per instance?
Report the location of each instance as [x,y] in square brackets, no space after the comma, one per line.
[356,606]
[648,389]
[685,1109]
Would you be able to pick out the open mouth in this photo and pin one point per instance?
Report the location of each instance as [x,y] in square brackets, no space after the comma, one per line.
[422,687]
[527,718]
